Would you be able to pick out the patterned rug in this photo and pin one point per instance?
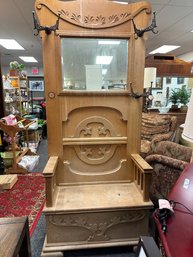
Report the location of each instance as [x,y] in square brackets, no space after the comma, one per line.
[25,198]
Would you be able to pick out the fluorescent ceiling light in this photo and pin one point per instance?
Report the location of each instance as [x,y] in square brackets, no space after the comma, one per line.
[28,59]
[10,44]
[104,59]
[104,71]
[164,49]
[108,42]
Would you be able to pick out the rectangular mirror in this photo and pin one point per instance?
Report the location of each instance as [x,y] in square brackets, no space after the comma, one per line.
[94,64]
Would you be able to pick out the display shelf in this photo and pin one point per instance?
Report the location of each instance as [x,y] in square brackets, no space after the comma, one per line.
[16,96]
[12,130]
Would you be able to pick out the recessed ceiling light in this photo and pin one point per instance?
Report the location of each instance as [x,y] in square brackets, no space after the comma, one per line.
[108,42]
[104,59]
[28,59]
[164,49]
[104,71]
[11,44]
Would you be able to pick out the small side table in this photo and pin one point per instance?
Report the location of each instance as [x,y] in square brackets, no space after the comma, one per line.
[14,237]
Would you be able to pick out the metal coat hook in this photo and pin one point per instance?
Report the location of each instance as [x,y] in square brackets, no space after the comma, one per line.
[140,32]
[47,29]
[137,95]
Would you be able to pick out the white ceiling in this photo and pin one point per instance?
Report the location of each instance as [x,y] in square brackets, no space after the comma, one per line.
[174,21]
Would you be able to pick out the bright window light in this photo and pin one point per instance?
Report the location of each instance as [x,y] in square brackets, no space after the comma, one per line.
[191,30]
[164,49]
[108,42]
[104,59]
[28,59]
[11,44]
[104,71]
[120,2]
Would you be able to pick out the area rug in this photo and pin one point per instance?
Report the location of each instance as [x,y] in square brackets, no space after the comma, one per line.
[25,198]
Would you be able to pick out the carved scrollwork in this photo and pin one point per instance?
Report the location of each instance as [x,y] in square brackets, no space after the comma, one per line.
[89,20]
[98,230]
[95,21]
[95,127]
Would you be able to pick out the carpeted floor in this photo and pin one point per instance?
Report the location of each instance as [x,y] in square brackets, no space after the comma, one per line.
[38,235]
[26,198]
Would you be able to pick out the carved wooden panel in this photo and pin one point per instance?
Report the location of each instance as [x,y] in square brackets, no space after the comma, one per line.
[97,227]
[94,143]
[97,17]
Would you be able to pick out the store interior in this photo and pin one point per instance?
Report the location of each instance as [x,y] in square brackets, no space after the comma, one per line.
[96,128]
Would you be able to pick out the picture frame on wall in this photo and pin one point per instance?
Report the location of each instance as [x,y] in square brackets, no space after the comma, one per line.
[159,83]
[180,80]
[168,80]
[36,84]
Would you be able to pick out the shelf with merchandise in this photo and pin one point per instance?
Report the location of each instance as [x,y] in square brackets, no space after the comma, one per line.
[16,95]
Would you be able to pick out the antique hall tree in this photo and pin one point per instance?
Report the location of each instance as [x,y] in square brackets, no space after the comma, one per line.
[97,185]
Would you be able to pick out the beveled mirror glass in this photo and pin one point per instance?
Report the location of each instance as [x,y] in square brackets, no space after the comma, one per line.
[94,64]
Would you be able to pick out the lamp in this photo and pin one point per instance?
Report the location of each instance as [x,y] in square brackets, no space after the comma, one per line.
[150,77]
[190,83]
[187,134]
[149,82]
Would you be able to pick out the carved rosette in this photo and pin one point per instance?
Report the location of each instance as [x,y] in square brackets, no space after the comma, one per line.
[92,128]
[97,230]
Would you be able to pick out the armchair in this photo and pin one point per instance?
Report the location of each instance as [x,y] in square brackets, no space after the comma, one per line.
[155,128]
[168,160]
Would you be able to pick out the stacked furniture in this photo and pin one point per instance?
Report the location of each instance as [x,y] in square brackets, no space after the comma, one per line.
[155,128]
[97,184]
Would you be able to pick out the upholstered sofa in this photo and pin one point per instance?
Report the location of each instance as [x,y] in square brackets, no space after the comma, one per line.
[155,128]
[168,160]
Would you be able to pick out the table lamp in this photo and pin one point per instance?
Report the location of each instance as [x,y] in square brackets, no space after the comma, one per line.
[149,83]
[187,134]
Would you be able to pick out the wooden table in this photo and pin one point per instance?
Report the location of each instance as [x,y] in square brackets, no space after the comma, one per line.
[177,241]
[14,237]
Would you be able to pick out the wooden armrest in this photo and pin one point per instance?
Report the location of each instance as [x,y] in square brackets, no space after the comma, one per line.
[49,174]
[140,162]
[51,165]
[142,175]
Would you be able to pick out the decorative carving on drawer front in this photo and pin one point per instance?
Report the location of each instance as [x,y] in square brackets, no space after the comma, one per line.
[98,230]
[92,128]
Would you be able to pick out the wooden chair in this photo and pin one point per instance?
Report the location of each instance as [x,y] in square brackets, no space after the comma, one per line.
[97,184]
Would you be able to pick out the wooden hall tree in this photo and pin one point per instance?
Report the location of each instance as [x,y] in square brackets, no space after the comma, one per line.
[97,185]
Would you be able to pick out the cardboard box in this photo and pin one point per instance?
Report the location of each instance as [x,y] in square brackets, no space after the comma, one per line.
[7,181]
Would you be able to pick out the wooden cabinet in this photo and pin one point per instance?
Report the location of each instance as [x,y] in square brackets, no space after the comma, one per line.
[16,96]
